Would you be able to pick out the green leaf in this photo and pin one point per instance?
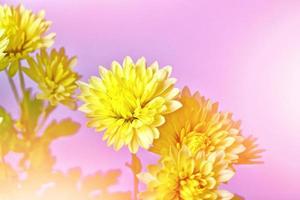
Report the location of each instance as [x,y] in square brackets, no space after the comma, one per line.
[135,165]
[31,72]
[13,68]
[28,72]
[9,140]
[66,127]
[40,158]
[31,110]
[3,65]
[6,121]
[101,180]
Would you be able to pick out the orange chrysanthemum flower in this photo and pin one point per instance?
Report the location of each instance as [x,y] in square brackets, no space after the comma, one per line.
[201,127]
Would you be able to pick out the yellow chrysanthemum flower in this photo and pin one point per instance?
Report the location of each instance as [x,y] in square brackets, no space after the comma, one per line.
[55,76]
[184,176]
[130,102]
[25,32]
[201,127]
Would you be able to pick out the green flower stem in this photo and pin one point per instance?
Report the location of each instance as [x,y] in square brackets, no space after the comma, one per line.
[21,77]
[13,87]
[135,166]
[135,181]
[46,113]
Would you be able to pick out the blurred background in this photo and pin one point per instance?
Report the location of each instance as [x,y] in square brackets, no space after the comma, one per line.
[243,54]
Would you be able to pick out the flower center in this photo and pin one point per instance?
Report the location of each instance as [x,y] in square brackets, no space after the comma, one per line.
[17,39]
[192,186]
[195,141]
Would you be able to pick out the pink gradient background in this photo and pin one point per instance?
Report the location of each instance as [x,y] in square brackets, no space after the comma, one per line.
[243,54]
